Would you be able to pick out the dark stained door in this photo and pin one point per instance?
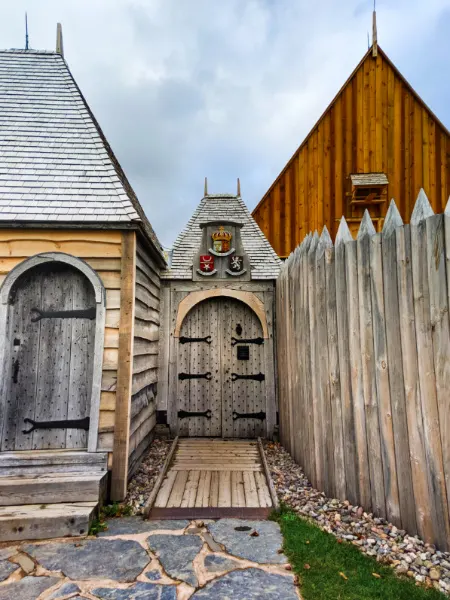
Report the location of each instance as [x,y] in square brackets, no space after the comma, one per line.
[224,395]
[49,359]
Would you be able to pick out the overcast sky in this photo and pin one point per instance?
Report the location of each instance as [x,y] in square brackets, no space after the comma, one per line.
[185,89]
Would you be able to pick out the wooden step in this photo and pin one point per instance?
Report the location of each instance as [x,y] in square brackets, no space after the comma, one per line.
[52,461]
[52,488]
[38,522]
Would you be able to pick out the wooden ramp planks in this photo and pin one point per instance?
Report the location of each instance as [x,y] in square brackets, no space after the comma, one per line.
[214,478]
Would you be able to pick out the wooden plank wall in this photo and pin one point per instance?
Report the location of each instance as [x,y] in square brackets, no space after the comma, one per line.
[145,358]
[102,251]
[377,123]
[363,343]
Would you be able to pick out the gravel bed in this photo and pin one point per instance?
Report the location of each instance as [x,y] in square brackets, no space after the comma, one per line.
[141,484]
[409,555]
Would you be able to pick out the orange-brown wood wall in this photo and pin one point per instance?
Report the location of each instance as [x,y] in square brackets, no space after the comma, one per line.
[377,123]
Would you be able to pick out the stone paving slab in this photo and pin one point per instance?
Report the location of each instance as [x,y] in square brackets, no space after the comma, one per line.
[140,591]
[250,584]
[64,590]
[120,560]
[217,564]
[134,525]
[28,588]
[6,568]
[176,554]
[236,536]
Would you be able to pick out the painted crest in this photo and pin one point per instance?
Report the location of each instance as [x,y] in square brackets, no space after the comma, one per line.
[221,240]
[206,263]
[236,263]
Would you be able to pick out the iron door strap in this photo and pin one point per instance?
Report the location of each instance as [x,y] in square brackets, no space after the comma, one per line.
[260,415]
[258,340]
[67,424]
[184,376]
[188,340]
[184,414]
[85,313]
[257,377]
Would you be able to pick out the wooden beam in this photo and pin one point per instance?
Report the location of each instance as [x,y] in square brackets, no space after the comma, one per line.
[125,367]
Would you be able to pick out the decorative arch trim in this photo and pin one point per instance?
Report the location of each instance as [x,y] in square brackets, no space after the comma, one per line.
[248,298]
[100,299]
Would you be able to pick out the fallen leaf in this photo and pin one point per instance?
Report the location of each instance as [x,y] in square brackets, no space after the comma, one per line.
[376,575]
[307,542]
[288,567]
[254,534]
[343,575]
[306,566]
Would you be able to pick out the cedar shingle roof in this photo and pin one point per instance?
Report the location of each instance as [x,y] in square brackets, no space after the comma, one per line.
[215,207]
[55,163]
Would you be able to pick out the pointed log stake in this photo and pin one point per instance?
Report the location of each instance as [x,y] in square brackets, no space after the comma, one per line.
[59,40]
[392,220]
[324,243]
[422,209]
[238,188]
[343,233]
[366,228]
[205,193]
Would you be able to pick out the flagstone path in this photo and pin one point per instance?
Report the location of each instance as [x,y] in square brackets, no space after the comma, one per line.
[134,559]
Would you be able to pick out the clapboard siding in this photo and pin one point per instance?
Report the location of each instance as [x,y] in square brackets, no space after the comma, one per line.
[102,251]
[145,355]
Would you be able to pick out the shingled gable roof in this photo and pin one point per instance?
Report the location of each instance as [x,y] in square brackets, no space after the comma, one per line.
[215,207]
[56,166]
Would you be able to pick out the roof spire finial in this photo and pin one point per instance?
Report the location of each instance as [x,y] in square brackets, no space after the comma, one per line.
[374,31]
[59,40]
[206,187]
[26,31]
[238,187]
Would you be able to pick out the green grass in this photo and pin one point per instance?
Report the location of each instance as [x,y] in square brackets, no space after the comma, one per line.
[108,512]
[329,560]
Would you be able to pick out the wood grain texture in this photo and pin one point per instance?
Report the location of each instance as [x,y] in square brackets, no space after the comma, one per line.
[125,368]
[376,123]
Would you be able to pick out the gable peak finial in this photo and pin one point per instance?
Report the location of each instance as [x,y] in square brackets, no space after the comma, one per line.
[374,31]
[238,187]
[205,193]
[26,32]
[59,40]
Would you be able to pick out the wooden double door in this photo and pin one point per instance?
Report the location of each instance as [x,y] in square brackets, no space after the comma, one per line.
[221,379]
[50,335]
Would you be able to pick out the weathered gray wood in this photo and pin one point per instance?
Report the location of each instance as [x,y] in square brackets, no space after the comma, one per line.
[162,474]
[272,491]
[334,376]
[382,382]
[40,522]
[422,482]
[440,330]
[427,376]
[343,237]
[48,488]
[375,463]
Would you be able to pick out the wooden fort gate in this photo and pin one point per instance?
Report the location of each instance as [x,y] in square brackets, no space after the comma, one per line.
[216,364]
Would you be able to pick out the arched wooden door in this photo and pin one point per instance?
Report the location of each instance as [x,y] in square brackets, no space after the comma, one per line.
[221,380]
[50,334]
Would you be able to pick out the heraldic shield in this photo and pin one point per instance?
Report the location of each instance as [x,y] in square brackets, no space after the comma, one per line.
[206,263]
[236,263]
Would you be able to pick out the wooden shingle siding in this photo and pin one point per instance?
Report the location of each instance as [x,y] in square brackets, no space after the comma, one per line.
[102,251]
[145,355]
[376,124]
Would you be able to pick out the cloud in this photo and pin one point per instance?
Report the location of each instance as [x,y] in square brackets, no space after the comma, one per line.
[188,88]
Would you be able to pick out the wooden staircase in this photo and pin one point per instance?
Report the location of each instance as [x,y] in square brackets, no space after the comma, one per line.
[46,494]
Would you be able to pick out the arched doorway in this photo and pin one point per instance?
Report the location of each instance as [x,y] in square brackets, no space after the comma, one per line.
[52,325]
[220,379]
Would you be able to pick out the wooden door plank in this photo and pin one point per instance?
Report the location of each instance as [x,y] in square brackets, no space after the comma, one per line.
[164,493]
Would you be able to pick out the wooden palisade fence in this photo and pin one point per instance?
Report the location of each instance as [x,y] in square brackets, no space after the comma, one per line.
[364,366]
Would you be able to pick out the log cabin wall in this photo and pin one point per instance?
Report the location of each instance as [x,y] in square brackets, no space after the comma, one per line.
[376,124]
[145,354]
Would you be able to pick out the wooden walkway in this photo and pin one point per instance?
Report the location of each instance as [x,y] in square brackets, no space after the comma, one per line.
[212,478]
